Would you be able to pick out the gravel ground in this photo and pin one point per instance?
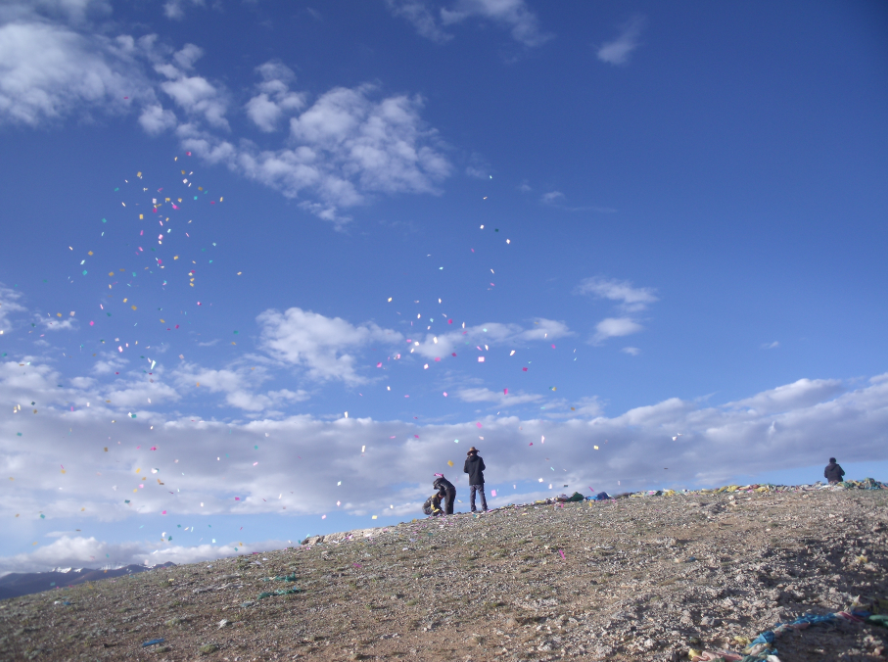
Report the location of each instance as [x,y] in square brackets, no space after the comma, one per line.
[633,579]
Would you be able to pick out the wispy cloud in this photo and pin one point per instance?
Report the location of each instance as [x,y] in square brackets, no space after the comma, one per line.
[512,15]
[502,398]
[420,14]
[9,304]
[619,50]
[615,327]
[629,297]
[492,335]
[557,200]
[175,9]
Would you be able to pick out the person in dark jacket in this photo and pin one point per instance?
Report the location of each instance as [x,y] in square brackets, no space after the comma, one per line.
[432,506]
[447,492]
[833,472]
[475,468]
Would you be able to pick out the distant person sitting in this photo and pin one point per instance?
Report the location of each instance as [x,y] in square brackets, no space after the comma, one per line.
[432,506]
[446,491]
[833,472]
[475,468]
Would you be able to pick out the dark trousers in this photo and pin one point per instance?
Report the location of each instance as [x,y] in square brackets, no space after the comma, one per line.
[449,496]
[472,490]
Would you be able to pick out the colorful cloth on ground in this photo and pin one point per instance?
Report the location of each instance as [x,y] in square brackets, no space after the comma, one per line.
[760,649]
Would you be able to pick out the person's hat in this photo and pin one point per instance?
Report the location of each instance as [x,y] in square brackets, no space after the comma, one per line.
[472,450]
[832,459]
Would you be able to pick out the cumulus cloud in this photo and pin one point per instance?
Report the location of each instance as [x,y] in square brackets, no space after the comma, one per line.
[48,72]
[622,291]
[619,50]
[156,119]
[350,145]
[274,98]
[614,327]
[512,15]
[321,345]
[194,94]
[803,393]
[785,427]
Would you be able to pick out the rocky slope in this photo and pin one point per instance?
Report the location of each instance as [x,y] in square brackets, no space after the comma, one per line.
[635,579]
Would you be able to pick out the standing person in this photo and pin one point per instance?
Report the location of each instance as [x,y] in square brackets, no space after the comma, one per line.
[475,468]
[833,472]
[447,491]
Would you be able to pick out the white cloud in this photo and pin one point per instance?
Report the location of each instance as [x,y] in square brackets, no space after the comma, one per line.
[155,119]
[512,15]
[174,9]
[493,334]
[790,426]
[9,303]
[66,323]
[614,327]
[419,13]
[631,351]
[344,147]
[589,406]
[803,393]
[275,98]
[73,551]
[239,386]
[499,398]
[771,345]
[196,95]
[349,145]
[478,168]
[48,72]
[630,298]
[319,344]
[187,56]
[619,50]
[76,12]
[552,196]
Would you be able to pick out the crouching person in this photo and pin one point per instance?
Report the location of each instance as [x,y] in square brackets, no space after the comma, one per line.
[447,492]
[432,506]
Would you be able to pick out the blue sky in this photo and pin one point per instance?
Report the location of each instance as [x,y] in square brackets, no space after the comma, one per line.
[662,229]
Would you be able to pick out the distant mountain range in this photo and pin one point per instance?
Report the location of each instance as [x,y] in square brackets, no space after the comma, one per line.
[24,583]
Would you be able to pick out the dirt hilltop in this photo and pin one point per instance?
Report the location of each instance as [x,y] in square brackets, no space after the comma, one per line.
[653,578]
